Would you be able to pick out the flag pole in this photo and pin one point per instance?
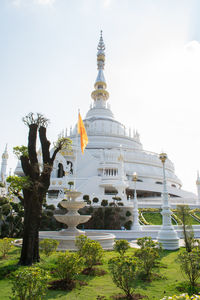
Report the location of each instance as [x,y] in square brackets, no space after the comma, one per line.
[76,156]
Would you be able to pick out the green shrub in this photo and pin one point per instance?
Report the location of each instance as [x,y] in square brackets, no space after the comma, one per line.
[148,255]
[90,250]
[48,246]
[128,213]
[29,284]
[190,265]
[5,246]
[79,243]
[68,265]
[121,246]
[123,272]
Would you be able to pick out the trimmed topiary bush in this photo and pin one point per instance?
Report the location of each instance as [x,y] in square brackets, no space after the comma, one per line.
[104,202]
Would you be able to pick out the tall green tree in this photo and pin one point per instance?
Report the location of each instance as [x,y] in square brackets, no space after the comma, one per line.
[37,182]
[183,212]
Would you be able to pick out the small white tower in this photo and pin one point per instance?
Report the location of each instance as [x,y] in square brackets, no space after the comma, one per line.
[198,188]
[4,164]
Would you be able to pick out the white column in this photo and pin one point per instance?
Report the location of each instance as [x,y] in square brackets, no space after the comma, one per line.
[167,236]
[136,223]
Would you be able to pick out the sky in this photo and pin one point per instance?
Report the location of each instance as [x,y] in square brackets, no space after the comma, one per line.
[48,65]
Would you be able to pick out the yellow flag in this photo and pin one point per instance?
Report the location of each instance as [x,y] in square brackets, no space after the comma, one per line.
[83,133]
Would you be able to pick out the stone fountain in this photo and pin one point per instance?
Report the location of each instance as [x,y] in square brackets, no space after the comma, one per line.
[72,219]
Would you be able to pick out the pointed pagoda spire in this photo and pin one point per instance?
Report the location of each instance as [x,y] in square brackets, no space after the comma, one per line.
[100,92]
[5,153]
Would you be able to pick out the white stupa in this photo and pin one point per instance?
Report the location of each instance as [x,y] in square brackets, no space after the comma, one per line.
[111,157]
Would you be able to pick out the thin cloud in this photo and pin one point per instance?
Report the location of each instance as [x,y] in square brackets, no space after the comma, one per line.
[25,2]
[45,2]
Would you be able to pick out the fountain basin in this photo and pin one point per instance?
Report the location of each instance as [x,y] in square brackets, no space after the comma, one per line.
[67,242]
[72,205]
[72,220]
[72,194]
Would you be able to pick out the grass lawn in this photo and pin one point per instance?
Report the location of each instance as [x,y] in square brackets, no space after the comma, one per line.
[155,218]
[100,286]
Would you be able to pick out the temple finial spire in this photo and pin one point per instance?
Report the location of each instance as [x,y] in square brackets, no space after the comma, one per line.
[100,92]
[101,46]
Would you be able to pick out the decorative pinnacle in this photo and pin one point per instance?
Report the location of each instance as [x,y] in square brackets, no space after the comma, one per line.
[101,46]
[163,157]
[5,153]
[100,83]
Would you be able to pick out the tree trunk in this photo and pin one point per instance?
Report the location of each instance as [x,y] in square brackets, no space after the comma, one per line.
[32,214]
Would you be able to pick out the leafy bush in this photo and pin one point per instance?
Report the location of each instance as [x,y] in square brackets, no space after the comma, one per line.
[11,215]
[190,265]
[5,246]
[90,250]
[69,265]
[104,202]
[29,283]
[123,272]
[148,255]
[121,246]
[80,241]
[48,246]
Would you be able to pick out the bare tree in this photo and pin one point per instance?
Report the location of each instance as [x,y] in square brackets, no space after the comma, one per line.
[38,182]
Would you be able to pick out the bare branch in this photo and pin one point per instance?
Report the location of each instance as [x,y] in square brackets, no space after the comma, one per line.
[37,119]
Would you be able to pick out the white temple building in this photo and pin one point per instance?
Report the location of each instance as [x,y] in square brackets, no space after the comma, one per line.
[111,157]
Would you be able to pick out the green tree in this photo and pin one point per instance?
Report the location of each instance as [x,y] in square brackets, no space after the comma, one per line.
[124,272]
[190,265]
[38,178]
[183,213]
